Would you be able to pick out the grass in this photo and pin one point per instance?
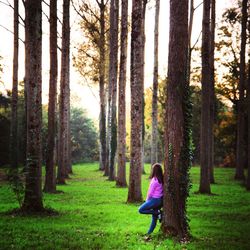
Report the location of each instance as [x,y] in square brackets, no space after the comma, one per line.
[93,214]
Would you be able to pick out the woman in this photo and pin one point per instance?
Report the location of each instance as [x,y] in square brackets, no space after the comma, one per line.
[154,202]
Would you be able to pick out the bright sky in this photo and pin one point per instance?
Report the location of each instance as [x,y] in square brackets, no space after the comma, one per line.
[83,95]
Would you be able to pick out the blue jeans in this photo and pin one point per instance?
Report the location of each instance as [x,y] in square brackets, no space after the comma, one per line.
[151,206]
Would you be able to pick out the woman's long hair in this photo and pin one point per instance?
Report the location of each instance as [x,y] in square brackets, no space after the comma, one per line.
[157,172]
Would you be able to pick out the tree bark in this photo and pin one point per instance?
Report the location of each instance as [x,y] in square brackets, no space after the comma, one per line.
[64,98]
[69,160]
[14,99]
[33,51]
[248,111]
[143,64]
[205,106]
[113,60]
[136,81]
[50,177]
[102,116]
[212,91]
[239,174]
[121,174]
[177,125]
[154,134]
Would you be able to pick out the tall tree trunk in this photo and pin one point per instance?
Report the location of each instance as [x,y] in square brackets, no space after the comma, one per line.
[143,64]
[102,116]
[121,175]
[248,111]
[50,177]
[177,125]
[136,81]
[67,87]
[69,160]
[212,91]
[113,60]
[64,97]
[205,102]
[33,53]
[106,169]
[14,99]
[154,134]
[239,174]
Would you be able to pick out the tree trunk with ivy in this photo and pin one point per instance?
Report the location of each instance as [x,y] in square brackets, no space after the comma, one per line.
[212,91]
[33,73]
[121,174]
[136,87]
[14,97]
[154,133]
[50,177]
[205,152]
[239,174]
[113,65]
[248,113]
[177,126]
[64,98]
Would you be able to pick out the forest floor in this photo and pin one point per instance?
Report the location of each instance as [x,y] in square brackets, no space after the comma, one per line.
[93,214]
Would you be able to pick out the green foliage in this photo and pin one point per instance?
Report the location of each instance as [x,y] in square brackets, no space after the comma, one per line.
[5,117]
[225,137]
[16,183]
[224,130]
[5,128]
[148,121]
[93,215]
[186,155]
[170,176]
[83,136]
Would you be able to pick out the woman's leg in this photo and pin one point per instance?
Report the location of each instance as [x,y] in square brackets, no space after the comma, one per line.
[148,207]
[153,224]
[156,209]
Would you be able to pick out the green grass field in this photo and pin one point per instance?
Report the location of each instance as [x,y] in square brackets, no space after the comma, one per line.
[93,214]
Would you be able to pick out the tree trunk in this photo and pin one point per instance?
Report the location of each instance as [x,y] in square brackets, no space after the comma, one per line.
[239,174]
[205,102]
[14,99]
[113,60]
[64,98]
[102,116]
[69,160]
[106,169]
[33,51]
[154,135]
[143,64]
[248,110]
[121,175]
[177,125]
[212,91]
[50,177]
[136,81]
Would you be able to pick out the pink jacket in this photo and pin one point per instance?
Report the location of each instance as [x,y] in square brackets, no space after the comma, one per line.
[155,189]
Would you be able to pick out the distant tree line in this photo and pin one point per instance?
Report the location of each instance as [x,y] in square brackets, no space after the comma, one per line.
[83,133]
